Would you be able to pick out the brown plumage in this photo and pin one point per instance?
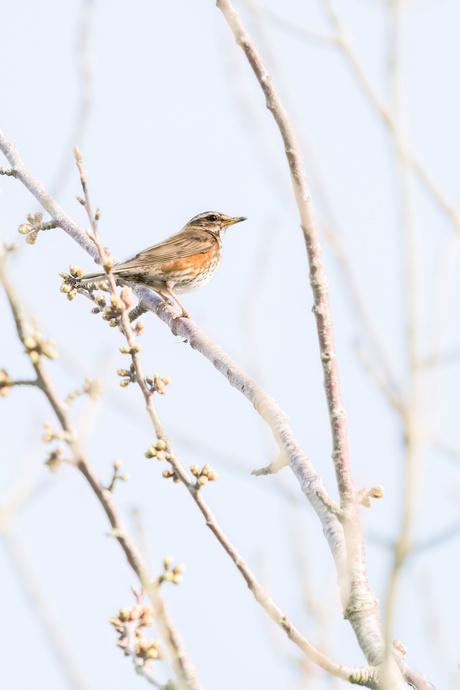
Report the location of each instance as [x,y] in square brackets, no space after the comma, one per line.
[184,262]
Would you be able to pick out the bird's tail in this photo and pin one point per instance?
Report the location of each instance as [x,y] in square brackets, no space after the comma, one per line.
[91,277]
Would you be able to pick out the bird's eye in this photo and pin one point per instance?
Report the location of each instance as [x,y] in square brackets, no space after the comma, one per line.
[212,217]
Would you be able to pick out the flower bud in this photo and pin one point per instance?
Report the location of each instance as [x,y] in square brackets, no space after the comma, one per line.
[30,343]
[124,613]
[126,296]
[32,237]
[24,229]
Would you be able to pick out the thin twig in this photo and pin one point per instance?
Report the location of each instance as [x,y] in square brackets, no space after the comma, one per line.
[294,27]
[85,64]
[25,575]
[182,665]
[387,115]
[410,410]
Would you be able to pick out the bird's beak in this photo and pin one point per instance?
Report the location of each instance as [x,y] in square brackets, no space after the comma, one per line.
[232,221]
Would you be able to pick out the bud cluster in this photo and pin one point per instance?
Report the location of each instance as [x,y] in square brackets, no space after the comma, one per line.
[123,477]
[35,345]
[113,311]
[365,496]
[55,459]
[68,286]
[158,383]
[205,475]
[101,303]
[139,328]
[170,474]
[5,383]
[33,227]
[49,434]
[148,650]
[91,387]
[400,646]
[157,450]
[128,623]
[171,574]
[130,349]
[129,373]
[142,615]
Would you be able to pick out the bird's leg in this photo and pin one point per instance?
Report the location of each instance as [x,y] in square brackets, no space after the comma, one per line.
[170,292]
[163,297]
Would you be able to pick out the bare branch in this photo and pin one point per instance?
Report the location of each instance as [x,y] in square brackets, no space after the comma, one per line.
[363,676]
[352,571]
[276,419]
[85,63]
[293,27]
[24,571]
[185,672]
[387,116]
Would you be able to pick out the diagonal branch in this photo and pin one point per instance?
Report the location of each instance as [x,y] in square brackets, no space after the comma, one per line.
[277,420]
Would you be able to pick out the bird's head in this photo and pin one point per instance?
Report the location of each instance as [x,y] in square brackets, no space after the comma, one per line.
[216,222]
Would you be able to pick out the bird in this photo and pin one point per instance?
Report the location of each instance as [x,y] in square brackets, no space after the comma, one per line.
[182,263]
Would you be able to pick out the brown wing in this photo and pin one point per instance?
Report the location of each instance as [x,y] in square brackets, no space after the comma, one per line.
[179,246]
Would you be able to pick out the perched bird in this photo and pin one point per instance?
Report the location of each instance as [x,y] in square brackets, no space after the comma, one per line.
[184,262]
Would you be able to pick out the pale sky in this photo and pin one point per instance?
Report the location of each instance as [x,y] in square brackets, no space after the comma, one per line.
[177,125]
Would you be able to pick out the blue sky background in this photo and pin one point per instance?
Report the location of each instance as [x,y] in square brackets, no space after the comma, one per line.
[177,125]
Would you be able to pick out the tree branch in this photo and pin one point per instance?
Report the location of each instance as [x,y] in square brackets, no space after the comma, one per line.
[268,409]
[359,602]
[185,672]
[362,676]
